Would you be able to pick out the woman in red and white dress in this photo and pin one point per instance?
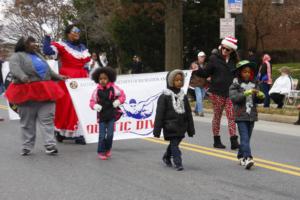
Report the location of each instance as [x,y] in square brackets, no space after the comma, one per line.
[73,57]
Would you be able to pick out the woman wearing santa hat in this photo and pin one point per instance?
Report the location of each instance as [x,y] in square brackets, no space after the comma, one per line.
[219,68]
[73,57]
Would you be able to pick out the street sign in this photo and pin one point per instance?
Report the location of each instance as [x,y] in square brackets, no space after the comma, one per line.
[227,27]
[235,6]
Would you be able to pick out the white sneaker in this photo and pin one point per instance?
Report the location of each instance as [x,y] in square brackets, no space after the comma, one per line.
[249,163]
[242,162]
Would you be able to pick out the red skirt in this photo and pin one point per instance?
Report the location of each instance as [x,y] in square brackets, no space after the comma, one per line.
[34,91]
[65,115]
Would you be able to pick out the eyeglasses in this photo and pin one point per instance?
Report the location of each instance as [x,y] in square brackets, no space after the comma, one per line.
[75,30]
[228,50]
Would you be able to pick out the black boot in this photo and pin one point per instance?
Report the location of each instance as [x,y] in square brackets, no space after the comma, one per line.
[58,136]
[217,143]
[234,142]
[80,140]
[298,121]
[167,160]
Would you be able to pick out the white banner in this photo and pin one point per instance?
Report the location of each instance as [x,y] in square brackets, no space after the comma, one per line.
[142,92]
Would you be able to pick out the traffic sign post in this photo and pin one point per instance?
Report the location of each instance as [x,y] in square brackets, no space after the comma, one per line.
[227,27]
[235,6]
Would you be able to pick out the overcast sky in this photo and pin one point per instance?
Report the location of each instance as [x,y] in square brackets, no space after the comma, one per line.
[3,4]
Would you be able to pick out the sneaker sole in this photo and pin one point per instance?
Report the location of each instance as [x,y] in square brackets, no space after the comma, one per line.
[25,154]
[180,169]
[249,165]
[52,152]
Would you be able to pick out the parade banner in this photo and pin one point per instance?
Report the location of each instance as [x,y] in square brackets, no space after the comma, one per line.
[7,78]
[137,121]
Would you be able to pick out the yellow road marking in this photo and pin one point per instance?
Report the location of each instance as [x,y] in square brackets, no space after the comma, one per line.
[232,156]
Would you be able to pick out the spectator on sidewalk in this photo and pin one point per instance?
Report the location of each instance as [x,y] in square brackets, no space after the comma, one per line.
[298,121]
[1,78]
[137,66]
[219,68]
[252,57]
[265,78]
[281,87]
[298,107]
[199,88]
[103,59]
[93,64]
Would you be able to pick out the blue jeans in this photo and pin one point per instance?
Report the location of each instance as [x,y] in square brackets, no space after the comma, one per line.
[200,93]
[1,88]
[265,89]
[106,135]
[245,131]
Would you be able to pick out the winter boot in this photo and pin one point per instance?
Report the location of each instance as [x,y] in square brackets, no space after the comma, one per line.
[298,121]
[217,143]
[167,160]
[234,142]
[80,140]
[58,136]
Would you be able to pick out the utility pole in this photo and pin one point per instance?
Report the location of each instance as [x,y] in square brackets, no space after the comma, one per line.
[227,15]
[227,24]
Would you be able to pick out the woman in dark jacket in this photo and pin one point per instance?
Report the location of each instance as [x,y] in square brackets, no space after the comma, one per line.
[219,68]
[174,116]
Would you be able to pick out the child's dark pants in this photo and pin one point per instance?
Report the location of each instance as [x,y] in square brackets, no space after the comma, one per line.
[173,150]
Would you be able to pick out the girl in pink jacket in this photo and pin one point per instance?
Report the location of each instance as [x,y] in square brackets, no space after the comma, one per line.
[106,99]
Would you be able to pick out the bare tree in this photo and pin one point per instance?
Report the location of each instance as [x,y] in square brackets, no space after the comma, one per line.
[95,17]
[257,20]
[25,18]
[173,35]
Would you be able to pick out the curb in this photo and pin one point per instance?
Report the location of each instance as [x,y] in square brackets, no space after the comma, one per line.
[268,117]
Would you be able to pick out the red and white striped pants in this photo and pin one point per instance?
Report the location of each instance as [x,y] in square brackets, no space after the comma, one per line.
[219,103]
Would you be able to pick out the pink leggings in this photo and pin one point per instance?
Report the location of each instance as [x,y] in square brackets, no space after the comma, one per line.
[219,103]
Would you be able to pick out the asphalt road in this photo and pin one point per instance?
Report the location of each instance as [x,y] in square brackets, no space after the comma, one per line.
[135,170]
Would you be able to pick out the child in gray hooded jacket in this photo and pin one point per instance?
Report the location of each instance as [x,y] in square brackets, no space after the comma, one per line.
[174,117]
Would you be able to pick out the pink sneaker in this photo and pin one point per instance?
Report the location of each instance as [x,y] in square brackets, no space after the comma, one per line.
[102,156]
[108,153]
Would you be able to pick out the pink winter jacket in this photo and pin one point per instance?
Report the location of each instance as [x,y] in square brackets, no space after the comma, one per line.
[119,94]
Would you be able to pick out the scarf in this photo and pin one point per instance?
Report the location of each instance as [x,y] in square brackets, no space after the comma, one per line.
[177,100]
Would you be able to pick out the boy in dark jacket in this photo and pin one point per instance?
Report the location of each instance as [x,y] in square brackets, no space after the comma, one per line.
[244,96]
[174,116]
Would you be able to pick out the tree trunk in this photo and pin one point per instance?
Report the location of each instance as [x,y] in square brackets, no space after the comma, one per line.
[173,35]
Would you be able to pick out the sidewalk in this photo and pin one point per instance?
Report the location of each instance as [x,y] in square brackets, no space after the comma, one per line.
[268,117]
[278,125]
